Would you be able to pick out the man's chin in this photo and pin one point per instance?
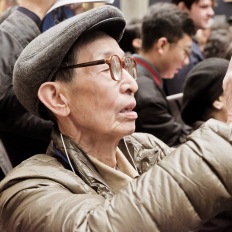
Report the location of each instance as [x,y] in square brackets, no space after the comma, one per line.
[130,130]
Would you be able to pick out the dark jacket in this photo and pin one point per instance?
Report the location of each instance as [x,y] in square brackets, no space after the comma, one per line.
[22,133]
[154,113]
[177,190]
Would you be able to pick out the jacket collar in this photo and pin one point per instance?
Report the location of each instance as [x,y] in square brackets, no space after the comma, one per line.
[117,177]
[85,167]
[81,163]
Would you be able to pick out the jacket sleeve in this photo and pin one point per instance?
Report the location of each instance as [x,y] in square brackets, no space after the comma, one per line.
[16,31]
[185,189]
[154,115]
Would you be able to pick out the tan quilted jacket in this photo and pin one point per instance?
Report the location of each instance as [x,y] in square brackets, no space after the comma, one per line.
[179,192]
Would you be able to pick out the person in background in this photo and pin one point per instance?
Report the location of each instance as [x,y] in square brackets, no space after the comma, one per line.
[201,12]
[166,44]
[218,43]
[203,101]
[59,13]
[131,39]
[22,133]
[219,22]
[97,174]
[56,16]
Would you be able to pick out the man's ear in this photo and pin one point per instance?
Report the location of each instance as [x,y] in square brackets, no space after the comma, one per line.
[218,104]
[51,96]
[161,44]
[182,6]
[137,43]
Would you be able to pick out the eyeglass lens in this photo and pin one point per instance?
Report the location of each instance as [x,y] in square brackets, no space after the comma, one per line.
[116,67]
[127,63]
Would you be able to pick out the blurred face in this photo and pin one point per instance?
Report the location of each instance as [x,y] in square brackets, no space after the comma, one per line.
[201,13]
[101,107]
[174,57]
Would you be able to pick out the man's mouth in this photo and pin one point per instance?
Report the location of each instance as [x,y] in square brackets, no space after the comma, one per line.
[129,108]
[126,110]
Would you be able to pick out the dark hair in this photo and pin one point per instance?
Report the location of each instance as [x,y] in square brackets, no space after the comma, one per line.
[188,3]
[218,43]
[165,20]
[132,31]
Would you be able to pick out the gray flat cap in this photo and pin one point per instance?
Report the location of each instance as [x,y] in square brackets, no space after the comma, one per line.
[36,63]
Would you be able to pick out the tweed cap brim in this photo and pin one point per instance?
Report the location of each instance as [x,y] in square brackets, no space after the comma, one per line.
[39,61]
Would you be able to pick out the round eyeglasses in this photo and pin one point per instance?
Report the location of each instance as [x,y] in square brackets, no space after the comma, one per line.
[115,64]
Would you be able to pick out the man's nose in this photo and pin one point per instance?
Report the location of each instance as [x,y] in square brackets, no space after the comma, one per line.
[129,81]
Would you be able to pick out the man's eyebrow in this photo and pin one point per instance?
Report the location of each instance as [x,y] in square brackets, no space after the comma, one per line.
[108,54]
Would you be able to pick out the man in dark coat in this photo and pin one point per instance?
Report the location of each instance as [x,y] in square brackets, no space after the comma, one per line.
[166,45]
[22,133]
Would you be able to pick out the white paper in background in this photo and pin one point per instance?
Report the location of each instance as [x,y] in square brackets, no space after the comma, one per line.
[59,3]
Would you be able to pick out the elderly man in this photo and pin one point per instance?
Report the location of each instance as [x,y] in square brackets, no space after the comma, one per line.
[97,174]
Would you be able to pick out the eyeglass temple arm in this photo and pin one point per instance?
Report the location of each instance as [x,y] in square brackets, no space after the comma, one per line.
[91,63]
